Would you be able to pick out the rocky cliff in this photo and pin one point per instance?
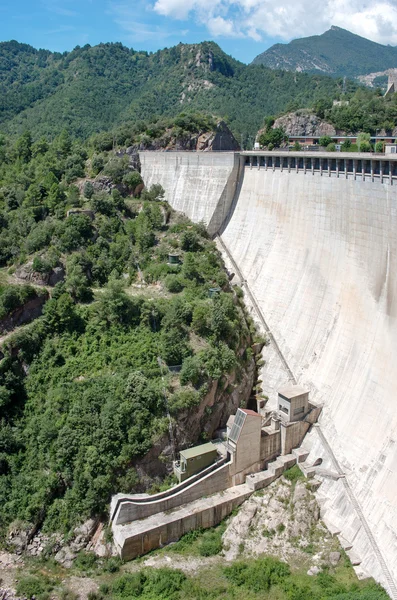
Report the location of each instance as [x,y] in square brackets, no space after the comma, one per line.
[219,139]
[305,123]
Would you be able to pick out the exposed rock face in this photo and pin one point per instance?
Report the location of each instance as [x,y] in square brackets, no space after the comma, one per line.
[222,399]
[282,520]
[105,184]
[221,139]
[23,314]
[28,274]
[305,123]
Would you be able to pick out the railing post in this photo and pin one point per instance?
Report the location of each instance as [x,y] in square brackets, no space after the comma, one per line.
[363,169]
[390,172]
[304,164]
[250,162]
[372,169]
[321,167]
[329,167]
[312,165]
[289,164]
[381,171]
[354,168]
[337,167]
[266,160]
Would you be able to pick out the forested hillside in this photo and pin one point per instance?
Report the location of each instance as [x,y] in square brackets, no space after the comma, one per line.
[95,88]
[84,388]
[336,52]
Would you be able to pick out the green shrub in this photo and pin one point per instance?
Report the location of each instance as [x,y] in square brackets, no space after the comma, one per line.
[211,544]
[34,585]
[128,586]
[293,474]
[85,561]
[173,284]
[258,575]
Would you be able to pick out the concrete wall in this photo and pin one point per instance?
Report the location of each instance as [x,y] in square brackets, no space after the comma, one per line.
[130,510]
[170,530]
[270,446]
[201,185]
[320,255]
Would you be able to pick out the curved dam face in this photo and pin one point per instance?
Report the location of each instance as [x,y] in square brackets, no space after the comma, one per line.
[320,256]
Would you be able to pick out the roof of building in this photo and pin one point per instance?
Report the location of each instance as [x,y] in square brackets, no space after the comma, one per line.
[248,411]
[198,450]
[291,391]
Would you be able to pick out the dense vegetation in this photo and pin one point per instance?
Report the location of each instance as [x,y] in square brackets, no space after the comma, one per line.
[367,111]
[84,388]
[264,578]
[337,51]
[95,88]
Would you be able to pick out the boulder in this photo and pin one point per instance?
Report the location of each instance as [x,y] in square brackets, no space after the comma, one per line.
[334,558]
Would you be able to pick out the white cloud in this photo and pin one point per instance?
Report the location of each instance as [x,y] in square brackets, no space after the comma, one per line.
[291,19]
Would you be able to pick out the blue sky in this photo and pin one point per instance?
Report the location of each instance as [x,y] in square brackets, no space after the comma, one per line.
[243,28]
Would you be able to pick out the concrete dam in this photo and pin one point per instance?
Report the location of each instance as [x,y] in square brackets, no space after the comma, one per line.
[314,242]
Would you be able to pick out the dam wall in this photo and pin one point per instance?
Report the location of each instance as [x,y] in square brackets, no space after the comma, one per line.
[318,252]
[320,256]
[201,185]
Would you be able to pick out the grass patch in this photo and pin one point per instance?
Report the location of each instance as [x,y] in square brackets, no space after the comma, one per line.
[293,474]
[201,542]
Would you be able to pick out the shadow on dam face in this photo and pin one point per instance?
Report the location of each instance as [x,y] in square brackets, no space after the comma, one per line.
[319,254]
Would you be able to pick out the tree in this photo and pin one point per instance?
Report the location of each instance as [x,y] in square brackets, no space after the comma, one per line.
[23,146]
[364,142]
[55,198]
[88,190]
[132,180]
[325,140]
[77,283]
[273,137]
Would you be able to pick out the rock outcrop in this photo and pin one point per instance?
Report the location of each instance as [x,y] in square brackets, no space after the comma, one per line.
[305,123]
[220,139]
[29,311]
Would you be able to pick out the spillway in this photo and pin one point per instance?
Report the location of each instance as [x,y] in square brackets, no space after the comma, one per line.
[319,255]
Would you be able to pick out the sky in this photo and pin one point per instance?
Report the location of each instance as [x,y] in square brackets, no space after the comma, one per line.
[243,28]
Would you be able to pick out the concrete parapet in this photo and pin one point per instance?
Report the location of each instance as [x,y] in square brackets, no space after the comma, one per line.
[140,537]
[139,508]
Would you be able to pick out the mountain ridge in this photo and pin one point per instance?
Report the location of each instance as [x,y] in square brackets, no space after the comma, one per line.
[337,52]
[95,88]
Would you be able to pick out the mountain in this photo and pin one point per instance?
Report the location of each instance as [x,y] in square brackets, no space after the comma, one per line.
[92,89]
[336,52]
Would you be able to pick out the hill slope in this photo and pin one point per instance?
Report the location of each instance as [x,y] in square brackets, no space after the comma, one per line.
[95,88]
[336,52]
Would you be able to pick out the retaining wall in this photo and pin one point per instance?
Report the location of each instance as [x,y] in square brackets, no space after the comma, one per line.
[132,509]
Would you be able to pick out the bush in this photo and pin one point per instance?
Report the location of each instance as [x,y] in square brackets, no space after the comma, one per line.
[211,543]
[85,561]
[258,575]
[34,585]
[173,284]
[293,474]
[325,140]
